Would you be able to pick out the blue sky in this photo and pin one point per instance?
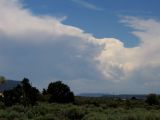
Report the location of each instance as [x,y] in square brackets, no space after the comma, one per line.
[101,22]
[106,46]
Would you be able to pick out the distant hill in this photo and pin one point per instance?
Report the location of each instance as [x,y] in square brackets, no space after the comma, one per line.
[127,96]
[92,94]
[9,84]
[121,96]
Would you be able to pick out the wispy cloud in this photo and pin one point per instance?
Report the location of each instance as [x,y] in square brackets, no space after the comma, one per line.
[87,5]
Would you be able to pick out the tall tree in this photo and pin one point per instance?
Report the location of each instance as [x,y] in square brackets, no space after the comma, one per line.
[23,94]
[60,93]
[29,94]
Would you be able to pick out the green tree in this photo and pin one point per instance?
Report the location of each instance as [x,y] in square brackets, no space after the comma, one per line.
[29,94]
[12,97]
[23,94]
[60,93]
[2,79]
[152,99]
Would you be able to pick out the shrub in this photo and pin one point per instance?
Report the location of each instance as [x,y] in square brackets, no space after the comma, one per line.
[47,117]
[13,115]
[152,116]
[95,116]
[18,108]
[131,117]
[2,106]
[75,113]
[113,104]
[152,99]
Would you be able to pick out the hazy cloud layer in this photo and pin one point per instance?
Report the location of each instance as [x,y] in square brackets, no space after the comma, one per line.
[44,49]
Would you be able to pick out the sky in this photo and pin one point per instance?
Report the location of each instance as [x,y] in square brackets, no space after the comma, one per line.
[106,46]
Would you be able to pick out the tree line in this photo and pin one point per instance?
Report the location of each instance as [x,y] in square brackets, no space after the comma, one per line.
[56,92]
[27,95]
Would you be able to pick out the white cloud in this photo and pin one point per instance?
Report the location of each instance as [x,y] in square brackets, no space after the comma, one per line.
[19,22]
[42,46]
[87,5]
[120,63]
[148,32]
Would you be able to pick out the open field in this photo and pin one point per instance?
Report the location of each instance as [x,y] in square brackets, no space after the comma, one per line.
[83,109]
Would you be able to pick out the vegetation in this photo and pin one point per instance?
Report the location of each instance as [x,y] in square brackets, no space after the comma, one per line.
[27,95]
[91,111]
[152,99]
[59,93]
[22,94]
[58,102]
[2,79]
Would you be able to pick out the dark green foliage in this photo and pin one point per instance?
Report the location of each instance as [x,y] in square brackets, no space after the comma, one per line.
[22,94]
[53,111]
[75,113]
[44,92]
[133,98]
[12,97]
[2,79]
[29,94]
[128,104]
[152,99]
[113,104]
[95,116]
[60,93]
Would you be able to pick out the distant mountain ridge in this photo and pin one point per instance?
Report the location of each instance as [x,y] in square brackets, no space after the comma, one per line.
[121,96]
[127,96]
[9,84]
[93,94]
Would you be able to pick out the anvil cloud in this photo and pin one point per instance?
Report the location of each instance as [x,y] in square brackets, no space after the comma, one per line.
[45,49]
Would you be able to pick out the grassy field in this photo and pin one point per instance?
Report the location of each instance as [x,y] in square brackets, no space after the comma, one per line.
[83,109]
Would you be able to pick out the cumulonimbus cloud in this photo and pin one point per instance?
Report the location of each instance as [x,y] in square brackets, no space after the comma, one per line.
[44,42]
[144,57]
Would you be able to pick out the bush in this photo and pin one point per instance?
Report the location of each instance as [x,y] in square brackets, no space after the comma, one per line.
[152,116]
[95,116]
[2,106]
[13,115]
[46,117]
[131,117]
[75,113]
[18,108]
[113,104]
[152,99]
